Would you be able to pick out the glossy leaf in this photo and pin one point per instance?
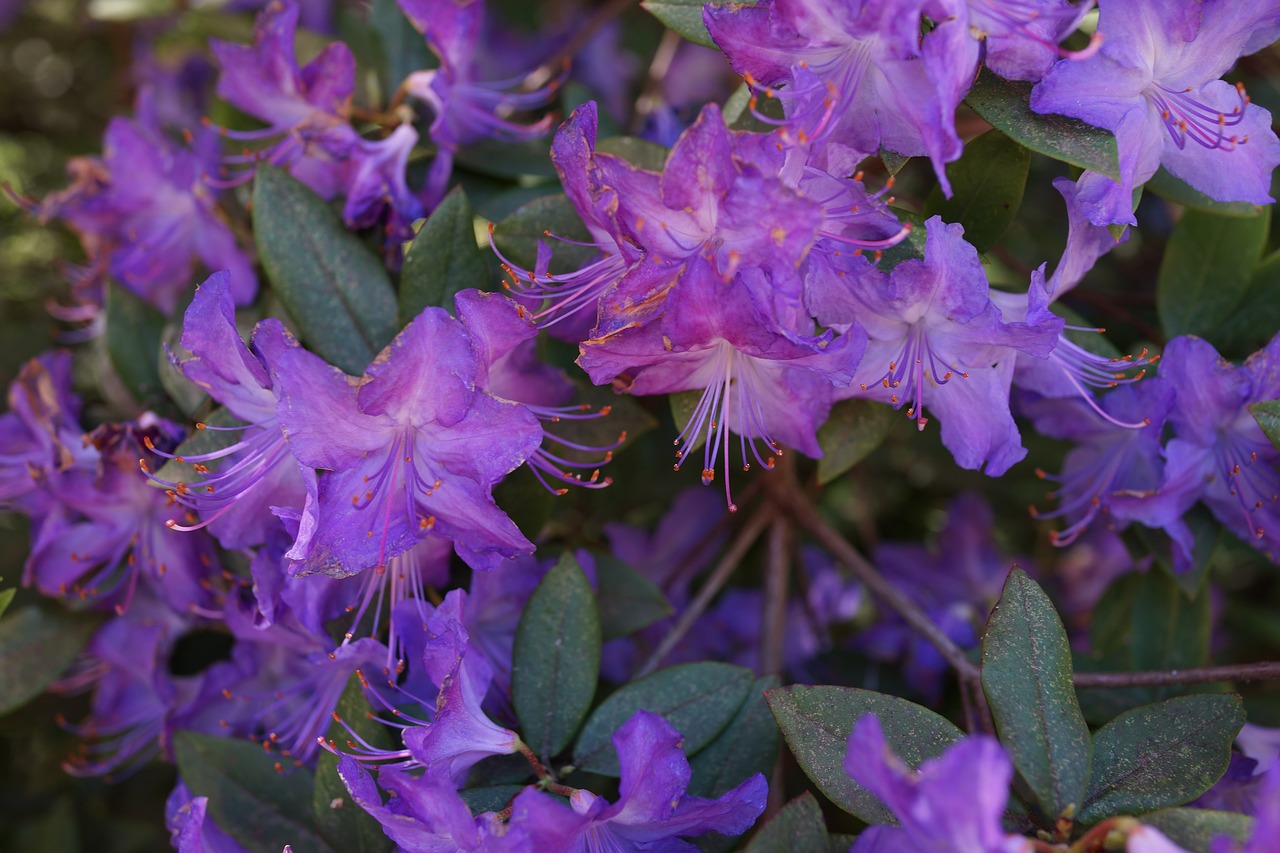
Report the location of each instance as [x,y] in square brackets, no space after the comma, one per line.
[1267,414]
[988,181]
[628,600]
[556,659]
[1161,755]
[342,822]
[797,828]
[685,16]
[748,745]
[335,289]
[262,808]
[1006,105]
[443,259]
[853,430]
[133,336]
[816,722]
[37,644]
[698,699]
[1026,675]
[1206,270]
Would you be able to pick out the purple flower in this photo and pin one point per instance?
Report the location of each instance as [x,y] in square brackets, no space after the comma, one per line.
[190,827]
[947,347]
[855,77]
[411,448]
[1155,84]
[1020,37]
[953,802]
[652,810]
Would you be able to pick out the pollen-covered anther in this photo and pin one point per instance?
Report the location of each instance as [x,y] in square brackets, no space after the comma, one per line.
[708,476]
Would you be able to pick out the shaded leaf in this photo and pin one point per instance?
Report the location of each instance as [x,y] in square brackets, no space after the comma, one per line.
[517,236]
[1195,829]
[748,745]
[685,16]
[1161,755]
[1267,414]
[556,659]
[6,598]
[443,259]
[698,699]
[249,799]
[491,799]
[1178,191]
[988,181]
[334,288]
[628,600]
[133,336]
[683,406]
[853,430]
[200,442]
[342,822]
[816,721]
[1255,321]
[510,160]
[36,647]
[798,828]
[1026,675]
[640,153]
[1006,104]
[1206,270]
[404,50]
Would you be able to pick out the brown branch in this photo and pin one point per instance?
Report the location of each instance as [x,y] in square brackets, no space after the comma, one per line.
[776,581]
[738,549]
[1266,671]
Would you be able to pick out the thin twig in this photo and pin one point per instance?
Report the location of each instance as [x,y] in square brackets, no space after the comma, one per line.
[551,67]
[776,582]
[1266,671]
[738,549]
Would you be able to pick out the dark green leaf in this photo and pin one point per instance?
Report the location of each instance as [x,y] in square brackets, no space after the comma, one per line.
[526,500]
[556,659]
[404,50]
[628,600]
[893,162]
[36,647]
[1162,755]
[911,247]
[685,16]
[1205,532]
[1195,829]
[1170,630]
[624,421]
[199,442]
[1026,674]
[342,822]
[1006,104]
[518,235]
[1267,414]
[698,699]
[249,799]
[852,431]
[443,259]
[816,721]
[6,598]
[1256,320]
[133,342]
[797,828]
[988,181]
[511,160]
[1180,192]
[640,153]
[748,745]
[189,397]
[1206,270]
[332,286]
[492,799]
[842,843]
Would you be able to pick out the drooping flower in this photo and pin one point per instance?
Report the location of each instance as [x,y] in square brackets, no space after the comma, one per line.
[953,802]
[652,812]
[1020,38]
[1155,85]
[412,447]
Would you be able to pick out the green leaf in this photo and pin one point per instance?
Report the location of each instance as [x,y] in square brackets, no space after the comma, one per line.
[518,235]
[1178,191]
[797,828]
[1170,629]
[342,822]
[893,161]
[1267,414]
[748,745]
[1006,104]
[6,598]
[640,153]
[685,16]
[698,699]
[133,336]
[523,160]
[841,843]
[1206,270]
[443,259]
[816,721]
[36,647]
[1258,316]
[1161,755]
[556,659]
[1026,675]
[683,406]
[852,431]
[198,443]
[404,50]
[491,799]
[628,600]
[256,805]
[332,286]
[988,181]
[1195,829]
